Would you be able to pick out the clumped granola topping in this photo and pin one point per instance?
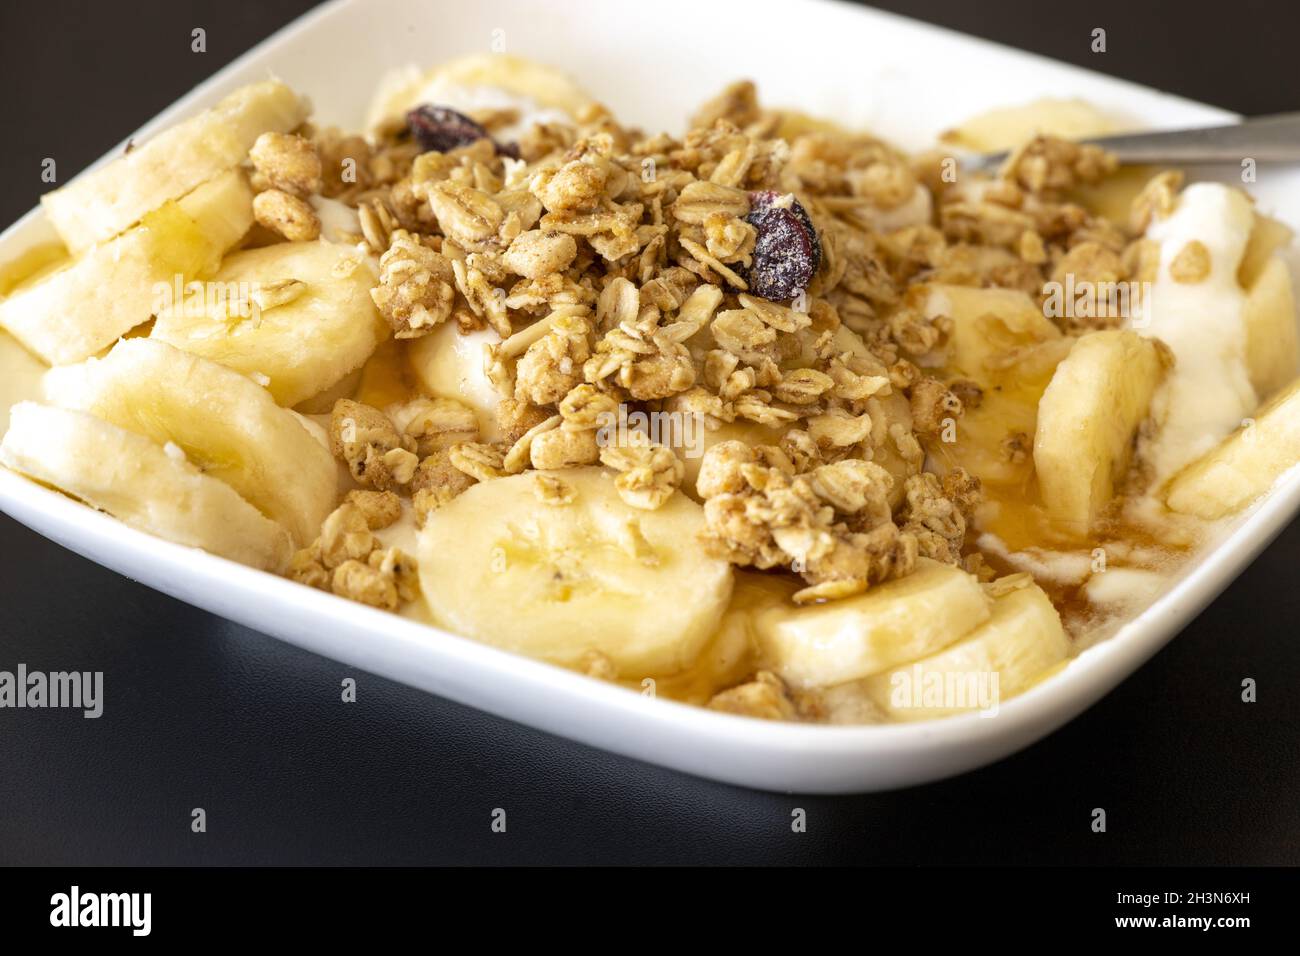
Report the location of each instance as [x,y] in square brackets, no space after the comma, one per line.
[765,697]
[434,424]
[364,584]
[286,214]
[286,162]
[349,561]
[380,508]
[416,288]
[648,474]
[831,524]
[1050,165]
[1156,200]
[366,440]
[750,271]
[1191,264]
[937,512]
[437,481]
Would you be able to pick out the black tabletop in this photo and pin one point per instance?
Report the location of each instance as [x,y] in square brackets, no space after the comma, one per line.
[202,713]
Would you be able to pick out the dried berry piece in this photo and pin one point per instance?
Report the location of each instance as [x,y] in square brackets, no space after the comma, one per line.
[787,251]
[440,130]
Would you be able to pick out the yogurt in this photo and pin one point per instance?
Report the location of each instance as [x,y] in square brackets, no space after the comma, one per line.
[1208,392]
[469,99]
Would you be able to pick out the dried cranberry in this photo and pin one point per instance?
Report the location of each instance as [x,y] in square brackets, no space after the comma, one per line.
[440,130]
[787,251]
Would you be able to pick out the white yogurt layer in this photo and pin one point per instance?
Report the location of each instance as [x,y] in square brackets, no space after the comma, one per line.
[1208,392]
[440,91]
[1045,564]
[404,534]
[339,222]
[1204,397]
[1127,589]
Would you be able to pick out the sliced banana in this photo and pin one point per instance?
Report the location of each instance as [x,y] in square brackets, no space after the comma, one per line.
[987,324]
[849,639]
[317,326]
[1272,350]
[1008,127]
[1003,343]
[1267,237]
[559,581]
[228,426]
[1245,465]
[1087,421]
[1111,197]
[144,484]
[88,304]
[1001,658]
[97,206]
[322,403]
[20,375]
[451,365]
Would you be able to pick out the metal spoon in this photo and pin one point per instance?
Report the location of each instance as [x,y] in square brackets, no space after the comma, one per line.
[1265,139]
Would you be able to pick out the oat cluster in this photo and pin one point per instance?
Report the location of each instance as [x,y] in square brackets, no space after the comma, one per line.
[349,560]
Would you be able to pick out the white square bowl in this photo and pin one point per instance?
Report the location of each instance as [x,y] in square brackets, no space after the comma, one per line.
[652,65]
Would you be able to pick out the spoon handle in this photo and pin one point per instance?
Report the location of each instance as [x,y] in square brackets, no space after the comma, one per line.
[1267,139]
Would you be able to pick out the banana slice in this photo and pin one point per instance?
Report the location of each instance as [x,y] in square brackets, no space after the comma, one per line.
[1267,236]
[1008,127]
[468,83]
[227,425]
[999,659]
[140,482]
[1272,351]
[20,375]
[88,304]
[451,365]
[1245,465]
[102,204]
[1087,421]
[1112,196]
[987,324]
[558,581]
[318,325]
[1001,341]
[853,638]
[322,403]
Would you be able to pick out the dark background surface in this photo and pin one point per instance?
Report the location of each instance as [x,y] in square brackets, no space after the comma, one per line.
[203,713]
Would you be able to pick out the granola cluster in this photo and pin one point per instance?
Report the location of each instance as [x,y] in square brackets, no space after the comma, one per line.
[831,523]
[349,560]
[286,170]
